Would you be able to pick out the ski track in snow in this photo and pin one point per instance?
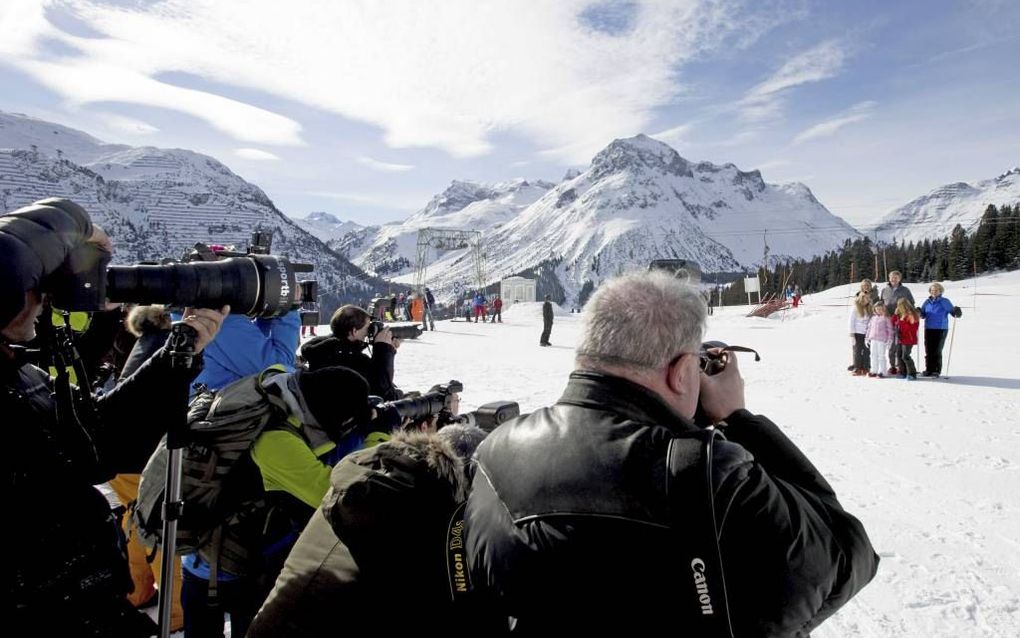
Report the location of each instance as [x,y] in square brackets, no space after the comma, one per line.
[931,467]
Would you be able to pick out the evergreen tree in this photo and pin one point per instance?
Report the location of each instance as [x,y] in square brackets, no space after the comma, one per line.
[983,237]
[956,254]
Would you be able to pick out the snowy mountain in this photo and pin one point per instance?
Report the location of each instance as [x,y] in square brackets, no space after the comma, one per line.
[327,227]
[392,249]
[154,202]
[640,200]
[934,215]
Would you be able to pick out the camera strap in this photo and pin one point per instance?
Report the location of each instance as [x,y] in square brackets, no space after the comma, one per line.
[457,570]
[76,410]
[703,584]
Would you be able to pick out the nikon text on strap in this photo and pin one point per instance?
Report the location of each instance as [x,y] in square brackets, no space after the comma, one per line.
[456,558]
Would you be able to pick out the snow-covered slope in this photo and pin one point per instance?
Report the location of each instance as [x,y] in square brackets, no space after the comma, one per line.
[932,468]
[638,201]
[154,202]
[933,216]
[392,249]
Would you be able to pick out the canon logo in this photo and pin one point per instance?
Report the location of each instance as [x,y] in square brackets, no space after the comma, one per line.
[701,586]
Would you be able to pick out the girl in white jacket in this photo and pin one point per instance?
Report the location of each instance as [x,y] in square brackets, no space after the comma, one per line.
[860,315]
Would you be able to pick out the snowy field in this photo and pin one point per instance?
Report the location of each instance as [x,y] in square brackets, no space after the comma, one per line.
[932,467]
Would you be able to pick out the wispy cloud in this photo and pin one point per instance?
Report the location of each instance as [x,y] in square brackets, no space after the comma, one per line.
[739,139]
[831,126]
[396,201]
[385,167]
[778,163]
[128,125]
[544,73]
[977,46]
[765,100]
[673,136]
[255,154]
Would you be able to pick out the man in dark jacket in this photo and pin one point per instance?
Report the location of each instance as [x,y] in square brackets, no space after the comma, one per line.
[576,524]
[547,321]
[427,307]
[69,573]
[891,294]
[349,325]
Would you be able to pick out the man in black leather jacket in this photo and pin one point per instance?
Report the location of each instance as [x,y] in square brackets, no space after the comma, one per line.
[349,326]
[68,571]
[575,524]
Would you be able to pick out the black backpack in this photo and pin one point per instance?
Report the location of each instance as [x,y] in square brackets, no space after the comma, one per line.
[221,487]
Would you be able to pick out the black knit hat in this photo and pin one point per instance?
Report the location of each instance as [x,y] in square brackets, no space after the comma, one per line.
[334,395]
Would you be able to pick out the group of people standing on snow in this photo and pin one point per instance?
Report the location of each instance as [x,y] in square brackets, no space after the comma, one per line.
[886,326]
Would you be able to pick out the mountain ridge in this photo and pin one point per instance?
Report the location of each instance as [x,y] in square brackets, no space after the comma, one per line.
[156,203]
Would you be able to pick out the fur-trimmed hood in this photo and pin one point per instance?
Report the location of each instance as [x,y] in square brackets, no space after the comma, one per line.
[378,537]
[143,319]
[397,494]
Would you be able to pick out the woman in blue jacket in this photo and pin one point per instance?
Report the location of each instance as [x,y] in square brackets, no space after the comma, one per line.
[935,311]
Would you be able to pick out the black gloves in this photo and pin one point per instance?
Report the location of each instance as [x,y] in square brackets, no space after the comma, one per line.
[957,312]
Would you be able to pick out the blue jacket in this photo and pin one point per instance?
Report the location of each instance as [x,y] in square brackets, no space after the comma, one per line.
[245,346]
[935,311]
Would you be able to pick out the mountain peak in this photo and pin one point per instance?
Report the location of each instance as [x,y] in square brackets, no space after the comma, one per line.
[638,152]
[323,216]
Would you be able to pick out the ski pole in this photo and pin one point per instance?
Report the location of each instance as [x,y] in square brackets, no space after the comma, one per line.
[949,357]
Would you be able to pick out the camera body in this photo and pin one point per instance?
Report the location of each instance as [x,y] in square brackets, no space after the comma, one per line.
[80,281]
[412,331]
[713,357]
[712,362]
[436,402]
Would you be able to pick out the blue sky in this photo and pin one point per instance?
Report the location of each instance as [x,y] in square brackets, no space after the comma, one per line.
[367,109]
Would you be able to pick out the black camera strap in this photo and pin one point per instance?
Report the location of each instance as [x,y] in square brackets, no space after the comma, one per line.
[703,583]
[457,569]
[76,410]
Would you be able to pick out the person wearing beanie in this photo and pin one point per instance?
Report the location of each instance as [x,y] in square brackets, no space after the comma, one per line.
[319,417]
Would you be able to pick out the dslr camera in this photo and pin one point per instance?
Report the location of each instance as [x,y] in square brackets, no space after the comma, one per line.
[436,402]
[411,331]
[713,356]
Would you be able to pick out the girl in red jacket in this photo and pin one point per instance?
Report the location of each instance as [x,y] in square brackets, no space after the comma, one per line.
[906,321]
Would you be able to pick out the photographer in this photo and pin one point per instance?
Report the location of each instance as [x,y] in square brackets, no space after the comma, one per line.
[247,346]
[350,327]
[70,574]
[614,495]
[312,420]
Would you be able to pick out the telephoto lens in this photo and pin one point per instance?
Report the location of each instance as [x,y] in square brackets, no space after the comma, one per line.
[402,331]
[254,285]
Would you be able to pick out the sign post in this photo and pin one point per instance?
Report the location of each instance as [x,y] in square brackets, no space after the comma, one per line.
[751,284]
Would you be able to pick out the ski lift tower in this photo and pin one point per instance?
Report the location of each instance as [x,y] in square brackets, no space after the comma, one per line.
[449,239]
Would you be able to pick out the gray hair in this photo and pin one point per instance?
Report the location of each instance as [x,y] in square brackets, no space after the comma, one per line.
[642,321]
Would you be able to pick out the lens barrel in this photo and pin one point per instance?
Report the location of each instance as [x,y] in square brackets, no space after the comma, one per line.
[254,285]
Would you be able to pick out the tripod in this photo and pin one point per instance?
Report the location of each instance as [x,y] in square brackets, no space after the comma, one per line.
[181,348]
